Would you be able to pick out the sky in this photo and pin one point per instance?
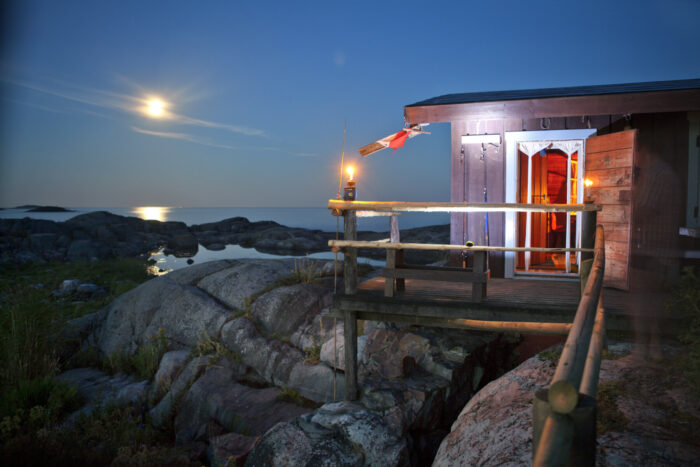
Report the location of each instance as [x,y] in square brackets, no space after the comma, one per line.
[257,94]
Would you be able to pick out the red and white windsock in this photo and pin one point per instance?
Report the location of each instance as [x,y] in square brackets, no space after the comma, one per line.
[393,141]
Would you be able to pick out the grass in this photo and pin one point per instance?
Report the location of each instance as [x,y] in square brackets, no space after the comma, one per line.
[33,405]
[293,397]
[115,435]
[312,355]
[686,300]
[609,416]
[144,362]
[552,355]
[31,317]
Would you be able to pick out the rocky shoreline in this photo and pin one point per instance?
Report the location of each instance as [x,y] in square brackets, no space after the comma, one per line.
[99,235]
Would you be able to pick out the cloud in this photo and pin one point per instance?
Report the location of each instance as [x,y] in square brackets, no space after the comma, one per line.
[181,136]
[125,103]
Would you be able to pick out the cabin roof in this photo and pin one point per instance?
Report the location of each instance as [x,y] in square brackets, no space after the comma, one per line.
[598,90]
[607,99]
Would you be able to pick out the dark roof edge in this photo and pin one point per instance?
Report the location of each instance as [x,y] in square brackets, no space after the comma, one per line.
[597,90]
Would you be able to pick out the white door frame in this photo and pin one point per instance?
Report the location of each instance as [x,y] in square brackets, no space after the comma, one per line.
[512,138]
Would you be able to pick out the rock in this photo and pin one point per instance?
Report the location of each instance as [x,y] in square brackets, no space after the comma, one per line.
[243,279]
[164,411]
[183,313]
[330,266]
[217,396]
[170,366]
[215,246]
[48,209]
[299,304]
[42,242]
[69,286]
[184,244]
[337,434]
[230,449]
[98,388]
[279,363]
[495,427]
[83,250]
[190,261]
[285,445]
[88,291]
[330,348]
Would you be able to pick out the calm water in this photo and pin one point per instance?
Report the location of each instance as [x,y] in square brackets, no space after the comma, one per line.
[309,218]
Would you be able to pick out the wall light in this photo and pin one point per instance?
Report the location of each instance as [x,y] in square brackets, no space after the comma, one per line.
[481,139]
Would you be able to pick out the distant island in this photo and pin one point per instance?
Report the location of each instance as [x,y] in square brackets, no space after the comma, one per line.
[34,208]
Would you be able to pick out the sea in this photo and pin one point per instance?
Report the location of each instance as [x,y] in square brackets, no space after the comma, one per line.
[317,218]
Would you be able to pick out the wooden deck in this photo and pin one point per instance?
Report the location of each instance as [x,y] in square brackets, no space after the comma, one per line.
[528,300]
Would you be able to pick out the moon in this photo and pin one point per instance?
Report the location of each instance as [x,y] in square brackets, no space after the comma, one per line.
[155,108]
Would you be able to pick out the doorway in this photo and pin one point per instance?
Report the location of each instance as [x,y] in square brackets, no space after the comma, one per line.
[544,167]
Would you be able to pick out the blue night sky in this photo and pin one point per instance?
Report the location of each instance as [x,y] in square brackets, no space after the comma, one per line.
[256,93]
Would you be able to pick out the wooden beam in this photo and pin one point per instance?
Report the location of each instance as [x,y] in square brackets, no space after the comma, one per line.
[462,275]
[350,256]
[528,327]
[352,244]
[402,206]
[450,310]
[611,104]
[350,339]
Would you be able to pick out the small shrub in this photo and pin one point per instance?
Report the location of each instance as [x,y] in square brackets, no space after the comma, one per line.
[610,418]
[144,362]
[552,356]
[293,397]
[313,355]
[206,345]
[686,301]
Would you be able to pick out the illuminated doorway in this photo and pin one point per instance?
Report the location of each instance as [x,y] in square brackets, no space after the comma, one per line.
[544,167]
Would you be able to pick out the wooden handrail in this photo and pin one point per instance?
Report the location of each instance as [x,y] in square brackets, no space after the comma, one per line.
[402,206]
[576,373]
[382,244]
[563,395]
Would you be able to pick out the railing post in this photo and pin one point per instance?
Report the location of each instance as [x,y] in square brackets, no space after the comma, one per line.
[350,254]
[588,227]
[350,316]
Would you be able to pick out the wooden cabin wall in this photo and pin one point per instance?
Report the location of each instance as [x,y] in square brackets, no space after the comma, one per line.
[659,195]
[467,173]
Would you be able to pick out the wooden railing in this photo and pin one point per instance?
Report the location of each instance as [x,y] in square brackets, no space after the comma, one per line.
[564,424]
[564,415]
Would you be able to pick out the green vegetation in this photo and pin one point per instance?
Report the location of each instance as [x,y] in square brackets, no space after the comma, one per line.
[111,435]
[34,405]
[143,363]
[609,416]
[313,355]
[550,355]
[31,317]
[207,345]
[686,300]
[293,397]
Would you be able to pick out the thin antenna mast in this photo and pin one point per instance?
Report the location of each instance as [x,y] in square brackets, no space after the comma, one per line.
[342,156]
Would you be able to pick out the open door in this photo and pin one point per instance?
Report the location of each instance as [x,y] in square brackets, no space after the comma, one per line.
[610,168]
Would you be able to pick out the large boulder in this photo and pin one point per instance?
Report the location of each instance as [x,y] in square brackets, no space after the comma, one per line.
[495,427]
[218,397]
[243,279]
[339,434]
[280,363]
[182,311]
[298,305]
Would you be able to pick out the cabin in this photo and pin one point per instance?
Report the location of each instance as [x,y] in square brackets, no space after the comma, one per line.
[558,198]
[636,145]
